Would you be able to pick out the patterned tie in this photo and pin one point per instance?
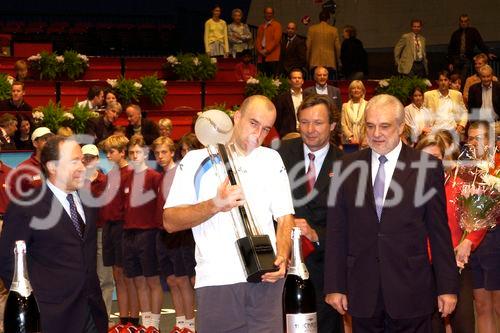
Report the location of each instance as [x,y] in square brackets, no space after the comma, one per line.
[75,217]
[378,186]
[311,173]
[418,56]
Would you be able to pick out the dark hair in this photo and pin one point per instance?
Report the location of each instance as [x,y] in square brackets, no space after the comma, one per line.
[18,83]
[190,140]
[479,124]
[51,151]
[416,88]
[296,69]
[93,92]
[444,73]
[351,30]
[415,20]
[246,52]
[455,77]
[315,99]
[324,15]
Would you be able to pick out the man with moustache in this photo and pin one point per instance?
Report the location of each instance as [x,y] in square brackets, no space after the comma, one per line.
[309,162]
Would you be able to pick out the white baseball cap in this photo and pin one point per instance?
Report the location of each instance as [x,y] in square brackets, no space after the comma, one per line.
[90,150]
[39,132]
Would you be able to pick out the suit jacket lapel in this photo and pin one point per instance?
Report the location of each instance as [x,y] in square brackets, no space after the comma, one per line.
[299,157]
[369,196]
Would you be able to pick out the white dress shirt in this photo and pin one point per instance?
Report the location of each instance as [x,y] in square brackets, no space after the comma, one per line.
[389,166]
[319,158]
[322,90]
[487,106]
[62,198]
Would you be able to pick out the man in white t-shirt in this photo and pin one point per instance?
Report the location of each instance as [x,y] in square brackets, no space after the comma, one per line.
[198,200]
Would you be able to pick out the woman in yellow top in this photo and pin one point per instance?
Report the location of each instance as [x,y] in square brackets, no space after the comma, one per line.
[216,43]
[353,114]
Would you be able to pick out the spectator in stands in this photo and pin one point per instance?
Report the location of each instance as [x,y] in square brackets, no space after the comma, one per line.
[323,88]
[456,82]
[139,125]
[485,95]
[288,103]
[96,181]
[165,127]
[353,114]
[239,35]
[187,142]
[267,43]
[103,127]
[95,98]
[120,130]
[28,174]
[417,116]
[109,96]
[16,102]
[175,251]
[140,231]
[462,44]
[21,69]
[353,55]
[447,106]
[22,137]
[480,60]
[293,50]
[409,52]
[8,127]
[216,42]
[245,69]
[323,45]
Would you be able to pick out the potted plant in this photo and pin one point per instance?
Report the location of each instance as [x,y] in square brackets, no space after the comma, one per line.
[191,67]
[267,86]
[75,64]
[52,116]
[47,65]
[153,89]
[81,115]
[5,86]
[128,91]
[401,86]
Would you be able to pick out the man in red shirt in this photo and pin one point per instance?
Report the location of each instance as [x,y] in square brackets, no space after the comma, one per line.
[28,175]
[139,232]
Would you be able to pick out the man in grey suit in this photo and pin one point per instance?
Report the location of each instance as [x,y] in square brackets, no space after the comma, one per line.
[323,88]
[409,52]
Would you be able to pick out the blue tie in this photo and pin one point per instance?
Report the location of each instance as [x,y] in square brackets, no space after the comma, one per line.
[378,186]
[75,217]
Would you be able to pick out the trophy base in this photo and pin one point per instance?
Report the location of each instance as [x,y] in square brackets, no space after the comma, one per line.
[257,255]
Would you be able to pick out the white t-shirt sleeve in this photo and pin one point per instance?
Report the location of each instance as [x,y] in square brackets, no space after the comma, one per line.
[183,191]
[282,203]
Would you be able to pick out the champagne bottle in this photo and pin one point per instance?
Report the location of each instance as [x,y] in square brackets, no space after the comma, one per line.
[299,301]
[21,309]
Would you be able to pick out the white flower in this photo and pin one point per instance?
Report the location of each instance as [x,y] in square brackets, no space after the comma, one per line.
[252,80]
[60,58]
[163,82]
[112,83]
[68,115]
[277,83]
[10,79]
[196,61]
[37,116]
[137,85]
[172,60]
[383,83]
[428,83]
[213,60]
[83,57]
[484,166]
[492,181]
[36,57]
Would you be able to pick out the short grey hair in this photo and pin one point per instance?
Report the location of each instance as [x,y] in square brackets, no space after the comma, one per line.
[390,102]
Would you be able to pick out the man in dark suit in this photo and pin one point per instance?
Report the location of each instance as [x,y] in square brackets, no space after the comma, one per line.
[139,125]
[8,126]
[489,89]
[323,88]
[386,204]
[59,229]
[317,118]
[288,103]
[293,50]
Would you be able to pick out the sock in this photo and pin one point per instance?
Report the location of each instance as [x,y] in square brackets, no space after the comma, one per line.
[155,320]
[124,320]
[180,321]
[190,324]
[146,319]
[134,321]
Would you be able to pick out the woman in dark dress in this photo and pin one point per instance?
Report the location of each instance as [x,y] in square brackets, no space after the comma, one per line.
[353,55]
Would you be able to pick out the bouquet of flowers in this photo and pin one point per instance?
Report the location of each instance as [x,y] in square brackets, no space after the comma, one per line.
[267,86]
[479,198]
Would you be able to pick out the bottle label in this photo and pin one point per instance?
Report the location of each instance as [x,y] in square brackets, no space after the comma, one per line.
[301,323]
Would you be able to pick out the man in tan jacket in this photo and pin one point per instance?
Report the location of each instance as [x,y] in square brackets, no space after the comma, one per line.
[323,45]
[409,52]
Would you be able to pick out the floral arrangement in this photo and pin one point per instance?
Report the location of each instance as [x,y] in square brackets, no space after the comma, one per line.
[222,107]
[267,86]
[153,89]
[51,66]
[5,86]
[192,67]
[479,198]
[129,91]
[401,86]
[54,116]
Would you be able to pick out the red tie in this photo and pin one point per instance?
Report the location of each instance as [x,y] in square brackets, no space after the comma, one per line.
[311,173]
